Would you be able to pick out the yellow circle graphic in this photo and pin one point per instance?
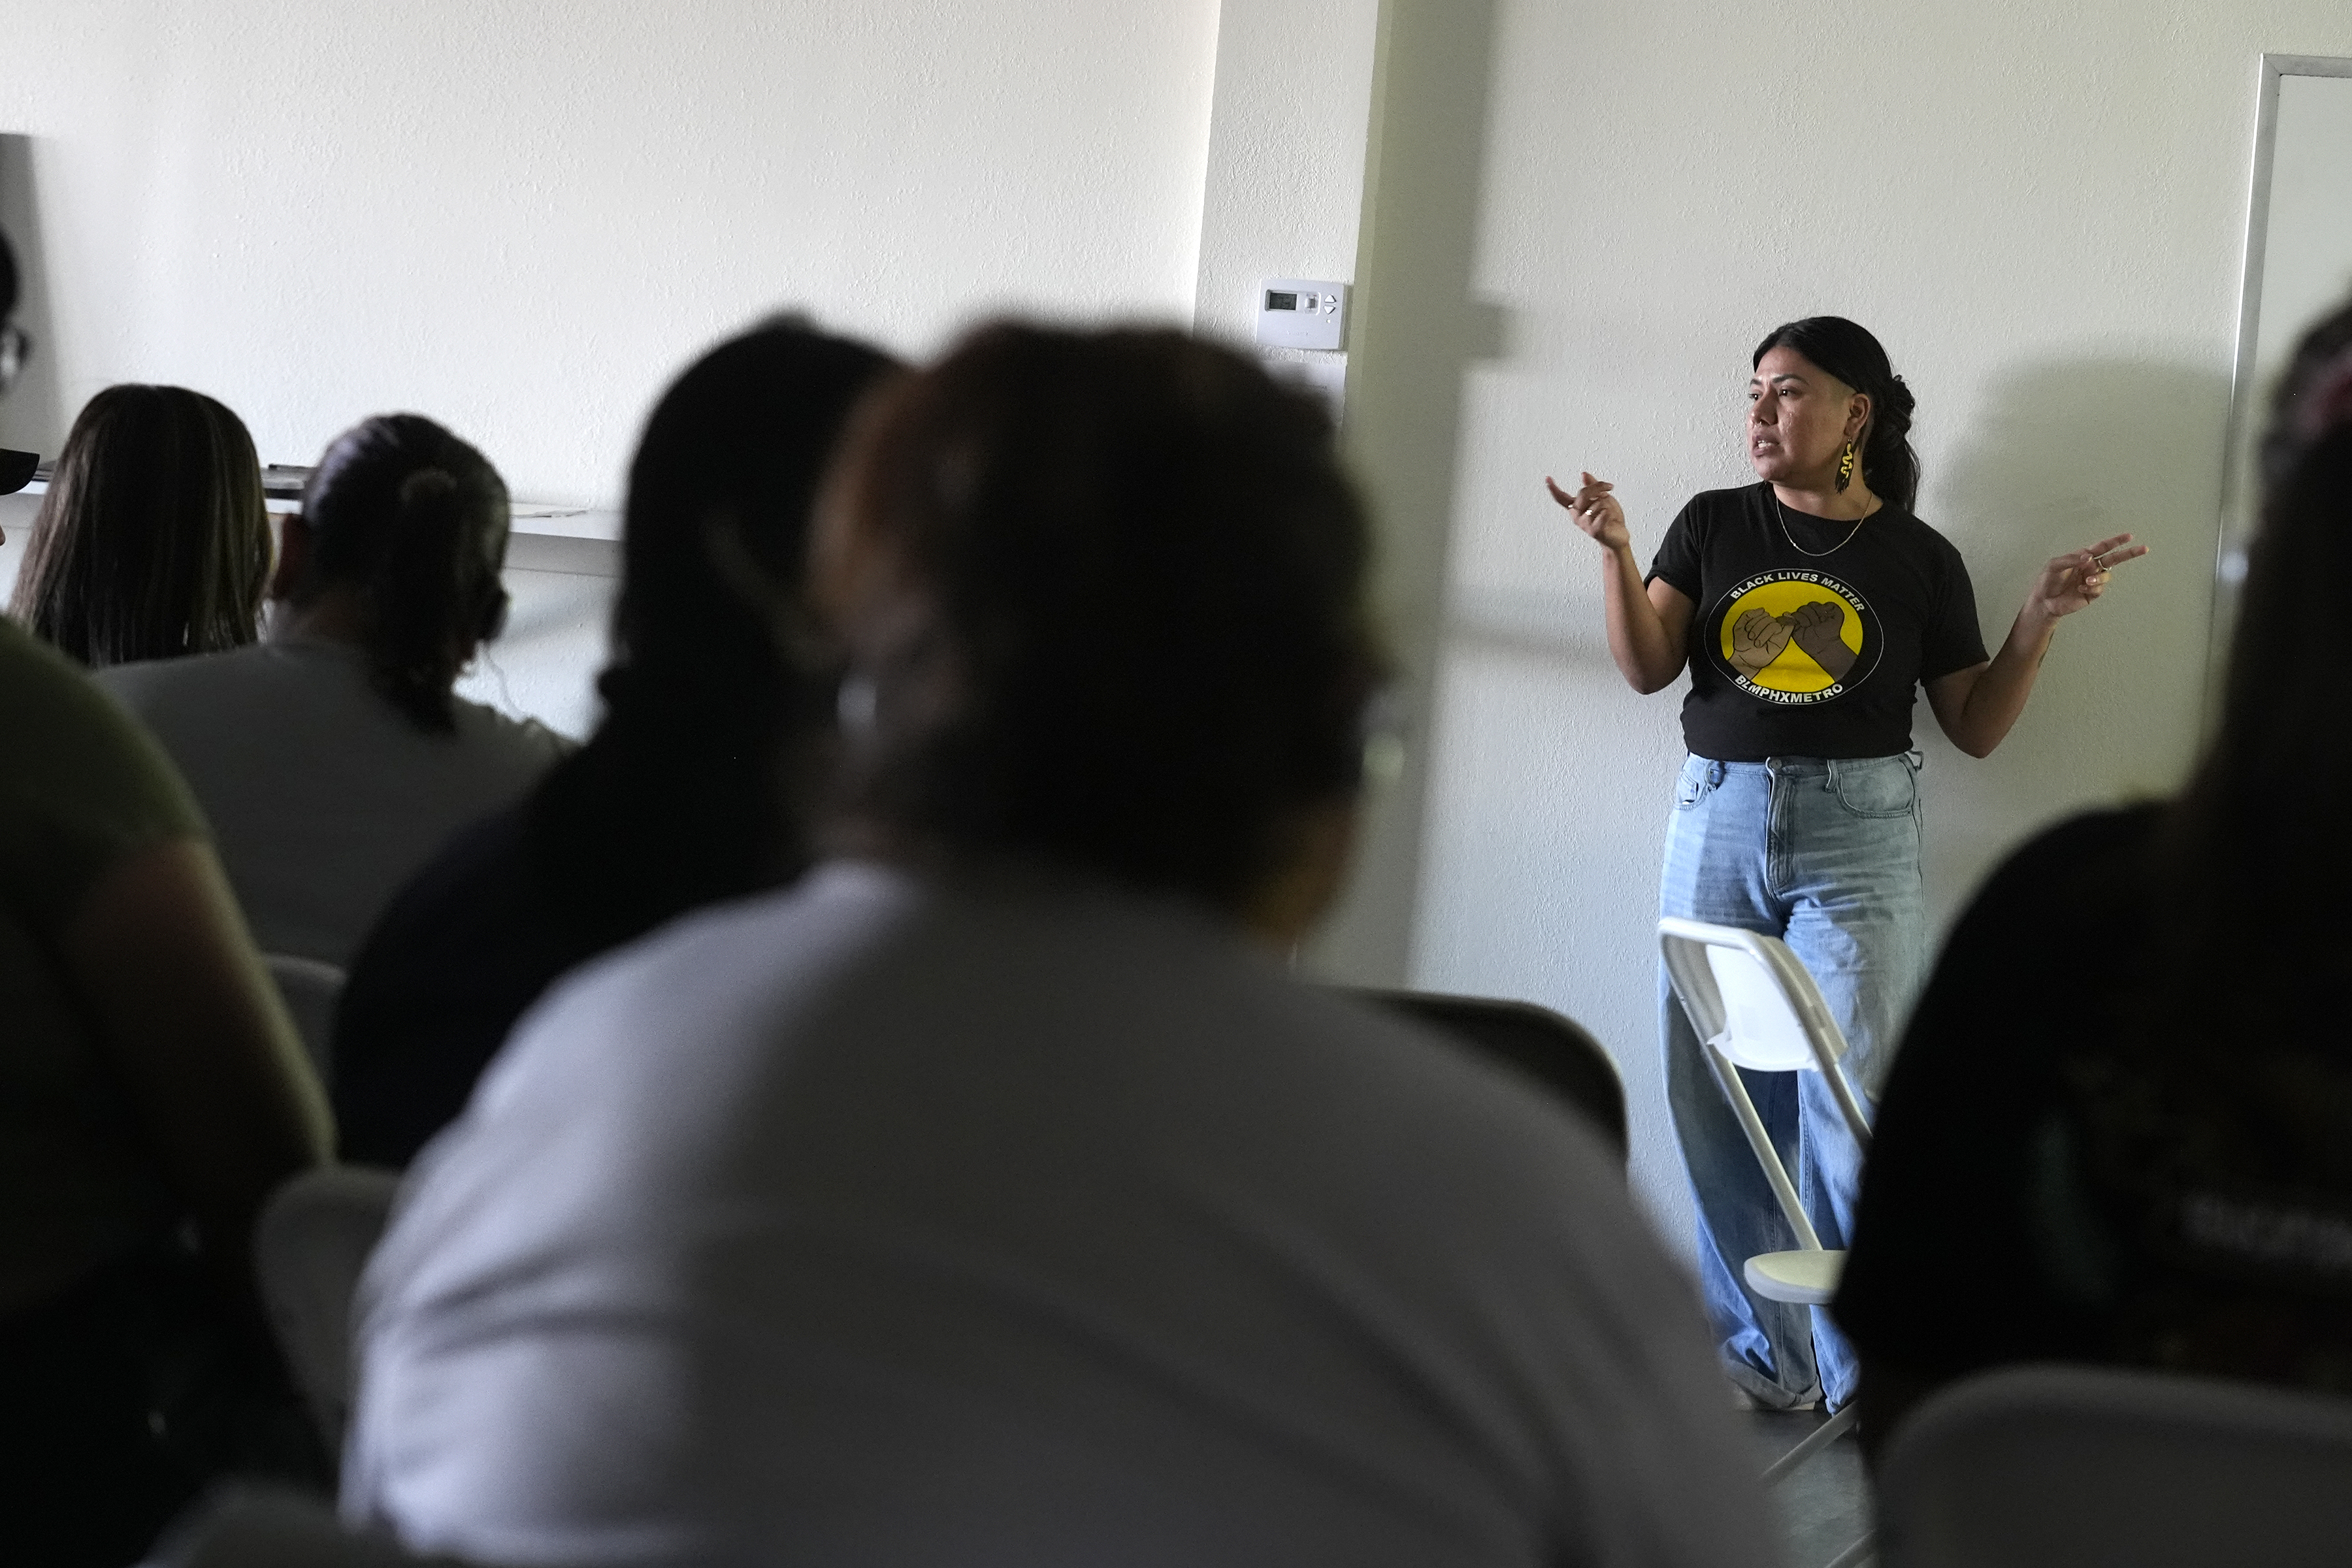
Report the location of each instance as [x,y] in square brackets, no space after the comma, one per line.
[1792,636]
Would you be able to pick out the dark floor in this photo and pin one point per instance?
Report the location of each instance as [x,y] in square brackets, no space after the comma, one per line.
[1823,1503]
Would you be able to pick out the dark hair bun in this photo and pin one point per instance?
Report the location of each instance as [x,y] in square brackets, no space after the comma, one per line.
[1848,351]
[416,519]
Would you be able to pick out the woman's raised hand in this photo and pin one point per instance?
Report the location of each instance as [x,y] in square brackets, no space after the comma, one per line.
[1595,510]
[2073,580]
[1648,622]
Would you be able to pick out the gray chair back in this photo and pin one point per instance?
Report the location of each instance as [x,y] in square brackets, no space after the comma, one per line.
[2089,1468]
[312,988]
[311,1242]
[1550,1047]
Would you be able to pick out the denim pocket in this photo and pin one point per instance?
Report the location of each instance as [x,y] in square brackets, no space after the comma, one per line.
[1692,787]
[1888,788]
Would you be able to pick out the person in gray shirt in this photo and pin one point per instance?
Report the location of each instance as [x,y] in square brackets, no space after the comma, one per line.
[332,758]
[996,1195]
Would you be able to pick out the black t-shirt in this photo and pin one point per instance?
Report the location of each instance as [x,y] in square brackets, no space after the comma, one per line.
[459,954]
[2040,1188]
[1957,1192]
[1812,654]
[666,809]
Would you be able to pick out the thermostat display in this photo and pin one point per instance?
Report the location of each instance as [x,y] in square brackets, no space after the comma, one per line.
[1300,313]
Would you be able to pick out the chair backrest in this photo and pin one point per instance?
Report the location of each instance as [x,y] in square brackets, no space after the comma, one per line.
[246,1526]
[1748,998]
[311,988]
[1554,1049]
[311,1242]
[2092,1467]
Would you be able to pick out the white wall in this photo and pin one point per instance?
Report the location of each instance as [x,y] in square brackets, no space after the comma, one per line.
[1284,181]
[524,216]
[2039,208]
[1284,198]
[545,665]
[521,215]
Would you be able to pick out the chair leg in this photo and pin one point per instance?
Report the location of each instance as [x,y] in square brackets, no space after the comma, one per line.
[1821,1436]
[1858,1553]
[1727,1078]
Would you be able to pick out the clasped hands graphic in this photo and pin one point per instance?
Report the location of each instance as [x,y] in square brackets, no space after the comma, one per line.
[1758,638]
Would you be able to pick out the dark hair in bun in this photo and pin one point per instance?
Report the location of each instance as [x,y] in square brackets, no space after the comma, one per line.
[416,520]
[1847,350]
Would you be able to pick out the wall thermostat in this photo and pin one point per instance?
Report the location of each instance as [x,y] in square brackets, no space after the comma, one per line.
[1302,314]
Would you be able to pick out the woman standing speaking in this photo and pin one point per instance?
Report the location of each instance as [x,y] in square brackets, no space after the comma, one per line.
[1809,609]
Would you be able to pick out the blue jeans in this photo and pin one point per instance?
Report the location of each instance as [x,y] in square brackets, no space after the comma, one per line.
[1825,856]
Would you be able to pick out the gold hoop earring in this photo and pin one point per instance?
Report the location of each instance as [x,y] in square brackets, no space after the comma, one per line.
[1845,467]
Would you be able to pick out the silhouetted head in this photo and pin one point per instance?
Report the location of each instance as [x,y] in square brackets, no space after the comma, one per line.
[2312,403]
[2282,711]
[1846,352]
[2255,871]
[717,537]
[2230,1091]
[699,783]
[1102,599]
[410,523]
[153,541]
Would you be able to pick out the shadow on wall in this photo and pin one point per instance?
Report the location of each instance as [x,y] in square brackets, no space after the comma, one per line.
[2064,455]
[32,417]
[1417,331]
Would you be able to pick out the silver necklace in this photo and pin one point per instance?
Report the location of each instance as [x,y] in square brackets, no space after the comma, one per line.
[1833,549]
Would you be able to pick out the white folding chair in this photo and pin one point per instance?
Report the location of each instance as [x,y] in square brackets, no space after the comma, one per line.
[312,989]
[2096,1467]
[1753,1005]
[310,1245]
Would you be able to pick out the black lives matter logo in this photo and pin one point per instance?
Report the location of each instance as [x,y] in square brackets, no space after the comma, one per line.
[1795,637]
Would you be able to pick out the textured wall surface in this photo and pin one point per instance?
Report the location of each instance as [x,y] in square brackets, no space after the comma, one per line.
[1286,166]
[524,216]
[1284,198]
[545,663]
[521,215]
[2040,209]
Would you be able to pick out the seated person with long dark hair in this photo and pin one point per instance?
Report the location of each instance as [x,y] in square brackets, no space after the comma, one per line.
[152,1094]
[995,1194]
[152,540]
[333,758]
[2120,1129]
[694,787]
